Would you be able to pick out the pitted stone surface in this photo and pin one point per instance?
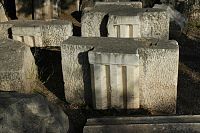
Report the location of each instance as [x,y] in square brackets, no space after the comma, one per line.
[17,68]
[144,23]
[38,33]
[91,20]
[157,77]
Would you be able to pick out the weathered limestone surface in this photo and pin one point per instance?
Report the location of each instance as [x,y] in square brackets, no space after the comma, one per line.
[115,77]
[3,17]
[124,21]
[74,60]
[4,30]
[158,77]
[36,33]
[135,23]
[30,113]
[150,84]
[156,124]
[95,20]
[17,68]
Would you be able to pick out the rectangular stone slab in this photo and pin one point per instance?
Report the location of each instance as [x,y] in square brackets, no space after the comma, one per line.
[155,124]
[17,68]
[38,33]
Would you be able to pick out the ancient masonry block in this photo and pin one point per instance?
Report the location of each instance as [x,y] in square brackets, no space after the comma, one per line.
[124,73]
[17,68]
[37,33]
[115,76]
[127,23]
[94,22]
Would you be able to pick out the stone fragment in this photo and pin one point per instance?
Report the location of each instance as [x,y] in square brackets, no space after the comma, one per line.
[153,124]
[30,113]
[17,68]
[38,33]
[123,72]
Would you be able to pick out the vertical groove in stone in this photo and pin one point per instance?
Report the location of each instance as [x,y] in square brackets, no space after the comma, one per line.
[22,38]
[130,31]
[93,85]
[108,85]
[116,86]
[100,86]
[118,30]
[132,87]
[124,78]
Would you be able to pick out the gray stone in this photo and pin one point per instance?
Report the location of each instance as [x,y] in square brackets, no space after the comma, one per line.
[30,113]
[143,23]
[38,33]
[4,30]
[93,18]
[135,4]
[3,17]
[153,124]
[17,68]
[125,21]
[151,71]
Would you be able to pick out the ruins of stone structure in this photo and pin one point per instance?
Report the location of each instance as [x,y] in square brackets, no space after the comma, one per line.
[126,73]
[94,22]
[36,33]
[125,22]
[124,60]
[155,124]
[17,68]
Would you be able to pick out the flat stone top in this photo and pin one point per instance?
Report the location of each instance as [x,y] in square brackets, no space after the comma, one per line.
[11,55]
[106,8]
[119,3]
[120,45]
[36,23]
[135,11]
[143,120]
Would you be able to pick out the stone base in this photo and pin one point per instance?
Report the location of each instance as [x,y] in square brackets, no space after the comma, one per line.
[157,124]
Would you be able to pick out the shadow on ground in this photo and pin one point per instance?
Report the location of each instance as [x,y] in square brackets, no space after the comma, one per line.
[188,96]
